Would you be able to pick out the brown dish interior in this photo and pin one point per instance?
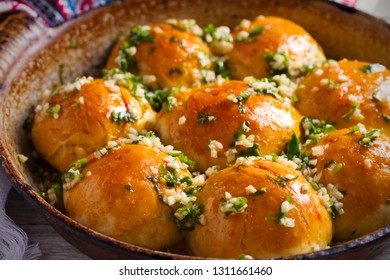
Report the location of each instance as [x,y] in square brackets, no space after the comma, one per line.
[31,59]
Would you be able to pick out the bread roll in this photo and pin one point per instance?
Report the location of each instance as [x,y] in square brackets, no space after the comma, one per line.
[353,170]
[272,45]
[346,93]
[123,195]
[165,55]
[272,212]
[214,124]
[84,116]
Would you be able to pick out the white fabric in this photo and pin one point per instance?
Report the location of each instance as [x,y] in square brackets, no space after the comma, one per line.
[13,240]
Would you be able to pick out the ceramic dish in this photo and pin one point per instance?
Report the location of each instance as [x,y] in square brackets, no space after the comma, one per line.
[31,53]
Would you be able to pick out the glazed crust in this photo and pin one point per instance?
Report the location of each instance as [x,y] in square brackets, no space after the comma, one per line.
[278,35]
[251,232]
[134,215]
[364,181]
[172,58]
[330,93]
[84,126]
[272,122]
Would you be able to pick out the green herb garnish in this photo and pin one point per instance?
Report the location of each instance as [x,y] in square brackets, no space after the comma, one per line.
[244,128]
[349,115]
[123,116]
[202,117]
[221,69]
[128,187]
[171,178]
[369,137]
[139,34]
[372,68]
[54,110]
[187,216]
[256,31]
[280,180]
[293,147]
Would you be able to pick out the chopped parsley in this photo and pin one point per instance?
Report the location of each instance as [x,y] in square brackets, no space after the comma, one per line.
[277,62]
[187,216]
[140,34]
[369,137]
[153,179]
[167,105]
[170,176]
[252,151]
[338,168]
[53,110]
[315,185]
[314,129]
[293,147]
[240,99]
[210,29]
[258,192]
[331,84]
[126,59]
[233,205]
[250,36]
[354,128]
[128,187]
[386,118]
[79,164]
[123,116]
[244,128]
[157,98]
[203,117]
[372,68]
[280,180]
[281,219]
[256,31]
[221,69]
[184,159]
[348,116]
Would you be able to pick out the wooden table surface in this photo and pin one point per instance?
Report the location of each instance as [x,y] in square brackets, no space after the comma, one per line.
[52,245]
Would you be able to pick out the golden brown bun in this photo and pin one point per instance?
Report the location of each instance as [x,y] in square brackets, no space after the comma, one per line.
[118,199]
[278,36]
[364,180]
[84,122]
[251,232]
[172,58]
[271,122]
[330,92]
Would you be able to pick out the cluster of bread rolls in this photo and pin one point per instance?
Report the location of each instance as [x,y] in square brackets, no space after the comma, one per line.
[245,142]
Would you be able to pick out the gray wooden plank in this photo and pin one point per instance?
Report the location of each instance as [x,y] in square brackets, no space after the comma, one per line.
[52,245]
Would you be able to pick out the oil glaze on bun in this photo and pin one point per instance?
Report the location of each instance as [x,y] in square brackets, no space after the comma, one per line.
[166,55]
[272,45]
[262,209]
[83,117]
[121,195]
[346,93]
[213,124]
[353,169]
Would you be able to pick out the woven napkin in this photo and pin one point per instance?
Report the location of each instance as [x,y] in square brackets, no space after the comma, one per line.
[13,240]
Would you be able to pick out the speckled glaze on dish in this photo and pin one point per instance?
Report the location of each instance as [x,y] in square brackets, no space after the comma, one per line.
[30,55]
